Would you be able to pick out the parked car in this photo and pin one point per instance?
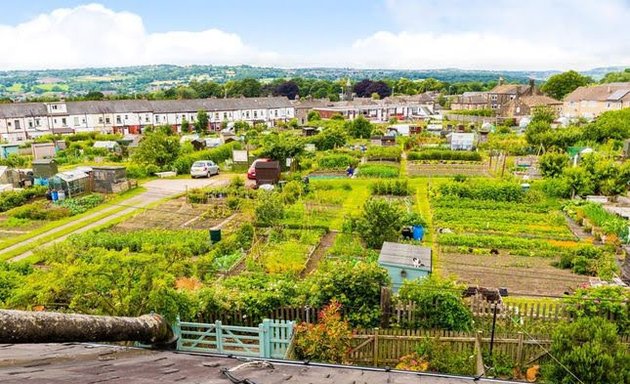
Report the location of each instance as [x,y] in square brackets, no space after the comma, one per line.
[204,168]
[251,172]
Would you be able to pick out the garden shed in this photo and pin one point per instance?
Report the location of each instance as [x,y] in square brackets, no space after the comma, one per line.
[462,141]
[111,146]
[110,179]
[267,172]
[309,131]
[44,168]
[43,150]
[8,149]
[405,262]
[71,182]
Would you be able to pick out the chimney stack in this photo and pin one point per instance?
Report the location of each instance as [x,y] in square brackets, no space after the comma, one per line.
[500,80]
[532,86]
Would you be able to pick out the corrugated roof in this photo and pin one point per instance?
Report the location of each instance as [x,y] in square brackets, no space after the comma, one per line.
[404,254]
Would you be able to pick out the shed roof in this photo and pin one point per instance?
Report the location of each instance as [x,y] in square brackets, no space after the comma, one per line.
[106,144]
[70,176]
[91,363]
[403,254]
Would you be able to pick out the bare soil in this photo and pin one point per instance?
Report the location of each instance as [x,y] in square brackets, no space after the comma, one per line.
[326,242]
[519,274]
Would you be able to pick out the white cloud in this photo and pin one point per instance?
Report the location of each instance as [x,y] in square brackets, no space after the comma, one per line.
[92,35]
[476,34]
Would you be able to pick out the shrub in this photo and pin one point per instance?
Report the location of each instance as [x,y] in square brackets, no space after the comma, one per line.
[391,187]
[12,199]
[380,221]
[431,355]
[607,302]
[269,209]
[477,190]
[590,350]
[378,170]
[292,191]
[219,154]
[384,153]
[439,304]
[328,341]
[39,210]
[336,161]
[444,155]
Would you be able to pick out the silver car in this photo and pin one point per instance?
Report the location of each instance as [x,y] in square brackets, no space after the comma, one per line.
[204,168]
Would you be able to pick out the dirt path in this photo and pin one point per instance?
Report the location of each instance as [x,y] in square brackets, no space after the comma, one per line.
[578,231]
[156,190]
[326,242]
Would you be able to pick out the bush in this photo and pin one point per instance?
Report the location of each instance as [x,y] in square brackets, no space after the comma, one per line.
[292,192]
[384,153]
[477,190]
[12,199]
[589,349]
[336,161]
[269,209]
[328,341]
[380,221]
[431,355]
[391,187]
[40,210]
[439,304]
[434,154]
[378,170]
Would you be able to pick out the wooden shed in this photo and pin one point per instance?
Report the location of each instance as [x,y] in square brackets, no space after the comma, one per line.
[44,168]
[309,131]
[267,172]
[405,262]
[110,179]
[8,149]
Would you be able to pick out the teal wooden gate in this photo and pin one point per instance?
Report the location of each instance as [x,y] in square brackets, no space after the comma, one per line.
[271,339]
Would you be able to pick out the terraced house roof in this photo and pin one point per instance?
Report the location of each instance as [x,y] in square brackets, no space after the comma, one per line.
[603,92]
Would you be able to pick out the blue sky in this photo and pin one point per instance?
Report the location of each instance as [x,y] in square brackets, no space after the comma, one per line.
[414,34]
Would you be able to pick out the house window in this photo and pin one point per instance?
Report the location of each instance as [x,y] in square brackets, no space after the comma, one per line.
[76,121]
[216,115]
[107,120]
[255,114]
[54,107]
[100,120]
[224,115]
[17,124]
[30,124]
[146,119]
[126,117]
[63,121]
[37,122]
[512,97]
[276,112]
[118,119]
[247,114]
[157,118]
[493,97]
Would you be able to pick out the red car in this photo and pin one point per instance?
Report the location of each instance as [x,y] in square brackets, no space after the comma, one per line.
[251,172]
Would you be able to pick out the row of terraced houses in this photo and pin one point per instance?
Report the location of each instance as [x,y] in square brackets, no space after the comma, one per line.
[23,121]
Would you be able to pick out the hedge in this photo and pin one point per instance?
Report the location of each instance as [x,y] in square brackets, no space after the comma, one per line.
[444,155]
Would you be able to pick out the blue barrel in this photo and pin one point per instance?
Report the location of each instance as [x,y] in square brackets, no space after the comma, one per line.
[418,232]
[55,195]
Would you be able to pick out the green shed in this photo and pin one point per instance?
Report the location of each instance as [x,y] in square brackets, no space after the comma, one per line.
[405,262]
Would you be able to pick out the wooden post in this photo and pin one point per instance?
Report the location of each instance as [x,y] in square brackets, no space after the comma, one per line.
[519,352]
[219,335]
[386,306]
[375,362]
[479,368]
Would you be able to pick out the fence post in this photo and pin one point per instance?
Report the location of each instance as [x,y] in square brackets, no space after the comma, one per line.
[519,352]
[177,331]
[375,347]
[219,335]
[265,336]
[386,306]
[261,340]
[479,368]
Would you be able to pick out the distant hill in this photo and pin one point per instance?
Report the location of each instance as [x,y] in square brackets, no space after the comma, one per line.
[138,79]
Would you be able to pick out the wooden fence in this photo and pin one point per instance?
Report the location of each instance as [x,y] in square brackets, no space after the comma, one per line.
[385,347]
[405,315]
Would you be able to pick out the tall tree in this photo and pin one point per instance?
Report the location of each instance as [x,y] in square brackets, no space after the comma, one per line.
[560,85]
[201,124]
[289,89]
